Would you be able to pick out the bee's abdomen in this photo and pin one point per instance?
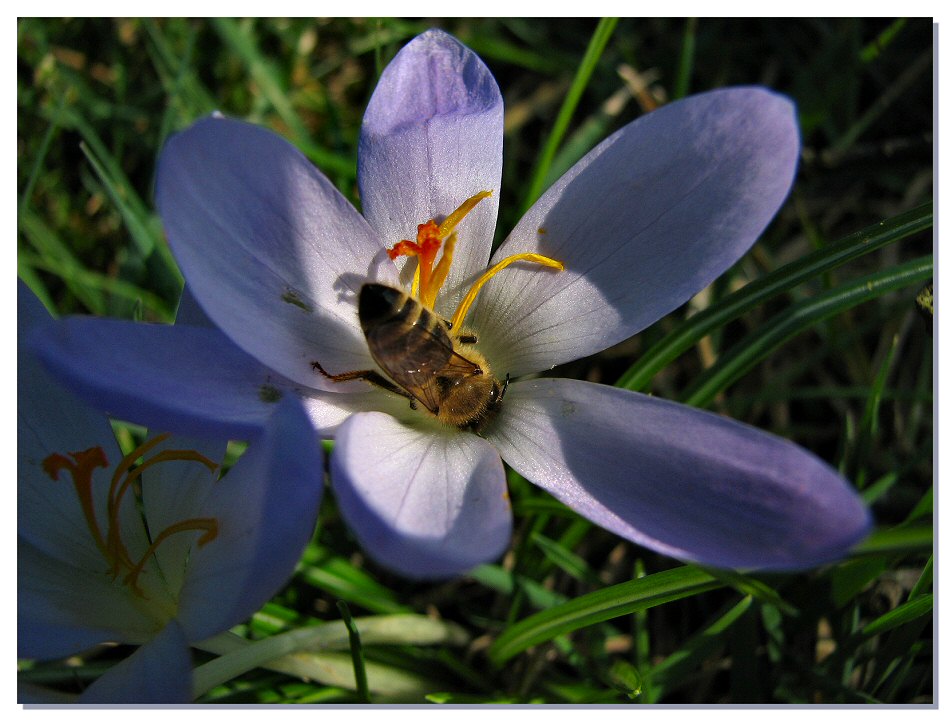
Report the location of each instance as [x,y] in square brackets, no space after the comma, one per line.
[388,315]
[380,304]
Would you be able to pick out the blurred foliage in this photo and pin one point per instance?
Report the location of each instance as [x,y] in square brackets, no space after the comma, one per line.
[97,98]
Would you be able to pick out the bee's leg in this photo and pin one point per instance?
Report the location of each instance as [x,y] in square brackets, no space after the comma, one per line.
[504,388]
[369,376]
[468,338]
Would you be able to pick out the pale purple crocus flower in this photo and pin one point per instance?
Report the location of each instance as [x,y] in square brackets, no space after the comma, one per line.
[276,257]
[199,555]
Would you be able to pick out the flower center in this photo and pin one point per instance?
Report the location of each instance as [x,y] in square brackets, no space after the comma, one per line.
[430,276]
[108,538]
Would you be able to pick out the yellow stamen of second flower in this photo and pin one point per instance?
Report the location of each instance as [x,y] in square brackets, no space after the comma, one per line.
[428,280]
[208,525]
[80,466]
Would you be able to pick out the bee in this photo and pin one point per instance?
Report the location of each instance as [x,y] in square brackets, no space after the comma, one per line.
[425,361]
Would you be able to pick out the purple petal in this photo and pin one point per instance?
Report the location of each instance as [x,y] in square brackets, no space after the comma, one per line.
[51,420]
[643,222]
[271,250]
[68,600]
[157,673]
[64,608]
[426,503]
[191,379]
[432,138]
[265,507]
[684,482]
[58,420]
[328,411]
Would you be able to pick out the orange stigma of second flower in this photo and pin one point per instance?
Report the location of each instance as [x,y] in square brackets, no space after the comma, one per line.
[430,276]
[81,465]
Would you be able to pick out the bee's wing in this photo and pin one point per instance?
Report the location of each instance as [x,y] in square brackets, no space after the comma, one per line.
[422,362]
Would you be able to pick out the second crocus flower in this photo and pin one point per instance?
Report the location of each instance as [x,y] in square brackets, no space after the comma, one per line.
[150,548]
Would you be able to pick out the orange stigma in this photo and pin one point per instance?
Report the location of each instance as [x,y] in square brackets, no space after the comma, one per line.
[430,277]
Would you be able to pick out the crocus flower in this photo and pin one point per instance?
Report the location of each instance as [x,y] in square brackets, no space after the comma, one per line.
[201,555]
[277,258]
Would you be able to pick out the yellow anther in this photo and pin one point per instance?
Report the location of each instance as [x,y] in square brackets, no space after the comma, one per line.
[469,298]
[455,217]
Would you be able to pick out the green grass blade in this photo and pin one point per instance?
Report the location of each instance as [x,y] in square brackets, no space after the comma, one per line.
[185,92]
[905,613]
[55,256]
[923,507]
[572,564]
[242,42]
[868,427]
[873,50]
[925,581]
[240,39]
[309,653]
[491,48]
[685,70]
[813,265]
[673,670]
[601,605]
[595,48]
[37,166]
[116,182]
[901,539]
[343,580]
[507,583]
[756,347]
[145,234]
[889,96]
[356,651]
[754,588]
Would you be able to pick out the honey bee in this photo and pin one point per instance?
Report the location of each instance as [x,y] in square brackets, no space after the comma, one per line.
[425,360]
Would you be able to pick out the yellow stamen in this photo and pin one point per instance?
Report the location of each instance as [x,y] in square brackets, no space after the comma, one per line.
[116,550]
[428,281]
[81,465]
[208,525]
[439,273]
[469,298]
[455,217]
[166,455]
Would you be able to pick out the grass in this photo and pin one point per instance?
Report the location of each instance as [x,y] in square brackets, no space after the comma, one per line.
[814,335]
